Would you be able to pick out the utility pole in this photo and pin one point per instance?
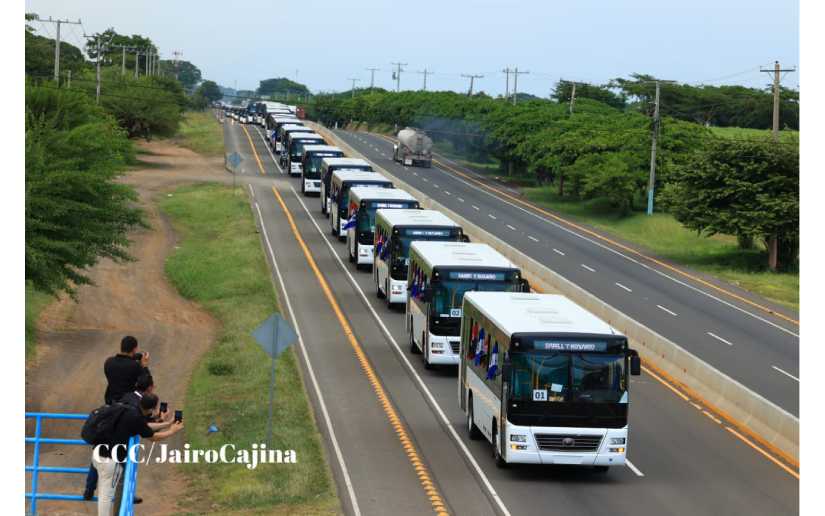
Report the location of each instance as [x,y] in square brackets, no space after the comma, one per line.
[425,73]
[137,63]
[372,76]
[471,77]
[97,88]
[69,81]
[177,54]
[123,62]
[148,59]
[57,44]
[507,83]
[516,73]
[354,80]
[397,74]
[776,71]
[651,183]
[572,98]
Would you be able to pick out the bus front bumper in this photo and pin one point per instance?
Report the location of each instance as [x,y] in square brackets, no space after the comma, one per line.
[294,169]
[364,254]
[398,291]
[611,451]
[444,349]
[312,186]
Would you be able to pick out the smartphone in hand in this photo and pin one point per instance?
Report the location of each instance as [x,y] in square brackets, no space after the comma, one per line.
[164,406]
[178,415]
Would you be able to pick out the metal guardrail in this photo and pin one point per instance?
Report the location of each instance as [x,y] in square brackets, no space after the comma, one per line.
[129,477]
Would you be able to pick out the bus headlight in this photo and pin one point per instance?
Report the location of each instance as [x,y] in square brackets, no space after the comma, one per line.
[518,438]
[617,440]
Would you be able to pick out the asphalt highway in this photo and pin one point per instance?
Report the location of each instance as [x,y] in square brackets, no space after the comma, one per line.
[756,348]
[684,461]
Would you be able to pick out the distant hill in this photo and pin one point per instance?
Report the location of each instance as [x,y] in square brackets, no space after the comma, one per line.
[281,87]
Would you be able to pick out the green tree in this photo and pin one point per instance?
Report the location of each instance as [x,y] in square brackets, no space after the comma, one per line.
[40,56]
[743,188]
[75,210]
[281,86]
[210,91]
[188,74]
[564,90]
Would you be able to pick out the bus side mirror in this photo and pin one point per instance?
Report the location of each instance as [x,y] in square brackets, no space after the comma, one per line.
[525,285]
[635,363]
[427,295]
[465,239]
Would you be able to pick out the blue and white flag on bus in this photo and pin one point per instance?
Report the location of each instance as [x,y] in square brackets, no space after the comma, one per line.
[414,286]
[351,222]
[491,371]
[479,347]
[379,245]
[385,249]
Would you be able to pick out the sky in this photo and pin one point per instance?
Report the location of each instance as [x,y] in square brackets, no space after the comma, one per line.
[324,44]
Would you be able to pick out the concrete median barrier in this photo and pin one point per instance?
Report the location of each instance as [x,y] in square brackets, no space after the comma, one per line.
[747,411]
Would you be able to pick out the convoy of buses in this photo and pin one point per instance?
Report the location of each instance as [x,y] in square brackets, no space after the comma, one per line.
[541,378]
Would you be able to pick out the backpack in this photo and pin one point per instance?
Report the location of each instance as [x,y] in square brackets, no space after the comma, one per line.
[100,425]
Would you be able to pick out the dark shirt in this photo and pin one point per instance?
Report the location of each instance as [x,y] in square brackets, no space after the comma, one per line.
[133,399]
[131,422]
[122,372]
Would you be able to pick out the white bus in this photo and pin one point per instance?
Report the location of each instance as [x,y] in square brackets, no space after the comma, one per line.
[544,380]
[311,165]
[274,122]
[342,181]
[328,167]
[294,150]
[360,225]
[437,278]
[395,230]
[282,134]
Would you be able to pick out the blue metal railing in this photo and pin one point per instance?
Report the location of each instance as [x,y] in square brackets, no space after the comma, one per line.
[129,477]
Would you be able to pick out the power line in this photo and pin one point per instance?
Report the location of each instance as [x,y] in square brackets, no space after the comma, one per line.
[472,78]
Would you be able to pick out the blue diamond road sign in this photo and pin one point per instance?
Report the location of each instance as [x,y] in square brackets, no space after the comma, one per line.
[275,335]
[234,160]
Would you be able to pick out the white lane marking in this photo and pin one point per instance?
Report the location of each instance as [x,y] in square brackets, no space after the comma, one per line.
[491,216]
[531,237]
[460,199]
[415,173]
[435,185]
[591,269]
[270,153]
[440,412]
[315,387]
[616,252]
[425,179]
[633,468]
[674,314]
[448,193]
[557,251]
[511,227]
[786,373]
[717,337]
[696,406]
[623,287]
[476,207]
[712,417]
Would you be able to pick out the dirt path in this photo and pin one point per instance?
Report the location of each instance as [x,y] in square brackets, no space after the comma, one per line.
[131,298]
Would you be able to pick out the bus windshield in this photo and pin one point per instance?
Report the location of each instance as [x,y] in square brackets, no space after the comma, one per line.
[567,377]
[312,167]
[366,216]
[448,293]
[297,147]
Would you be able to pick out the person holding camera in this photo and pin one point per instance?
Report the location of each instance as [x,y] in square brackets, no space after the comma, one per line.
[123,370]
[109,458]
[161,419]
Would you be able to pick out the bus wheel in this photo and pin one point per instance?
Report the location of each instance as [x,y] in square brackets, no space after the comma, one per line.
[500,462]
[425,355]
[378,293]
[472,430]
[601,469]
[413,348]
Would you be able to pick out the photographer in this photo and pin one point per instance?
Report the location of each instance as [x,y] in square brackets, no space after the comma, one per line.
[132,422]
[160,420]
[123,369]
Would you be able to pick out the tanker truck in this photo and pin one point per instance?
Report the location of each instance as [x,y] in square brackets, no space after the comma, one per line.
[414,148]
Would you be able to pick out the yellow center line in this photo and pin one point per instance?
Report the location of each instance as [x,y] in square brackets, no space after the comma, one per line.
[421,470]
[763,452]
[610,241]
[254,152]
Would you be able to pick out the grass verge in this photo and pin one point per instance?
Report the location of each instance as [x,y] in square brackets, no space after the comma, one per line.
[201,132]
[220,264]
[664,236]
[36,301]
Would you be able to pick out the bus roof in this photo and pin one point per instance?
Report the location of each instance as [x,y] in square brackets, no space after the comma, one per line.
[357,175]
[536,313]
[371,193]
[410,217]
[337,162]
[321,148]
[460,254]
[297,135]
[296,127]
